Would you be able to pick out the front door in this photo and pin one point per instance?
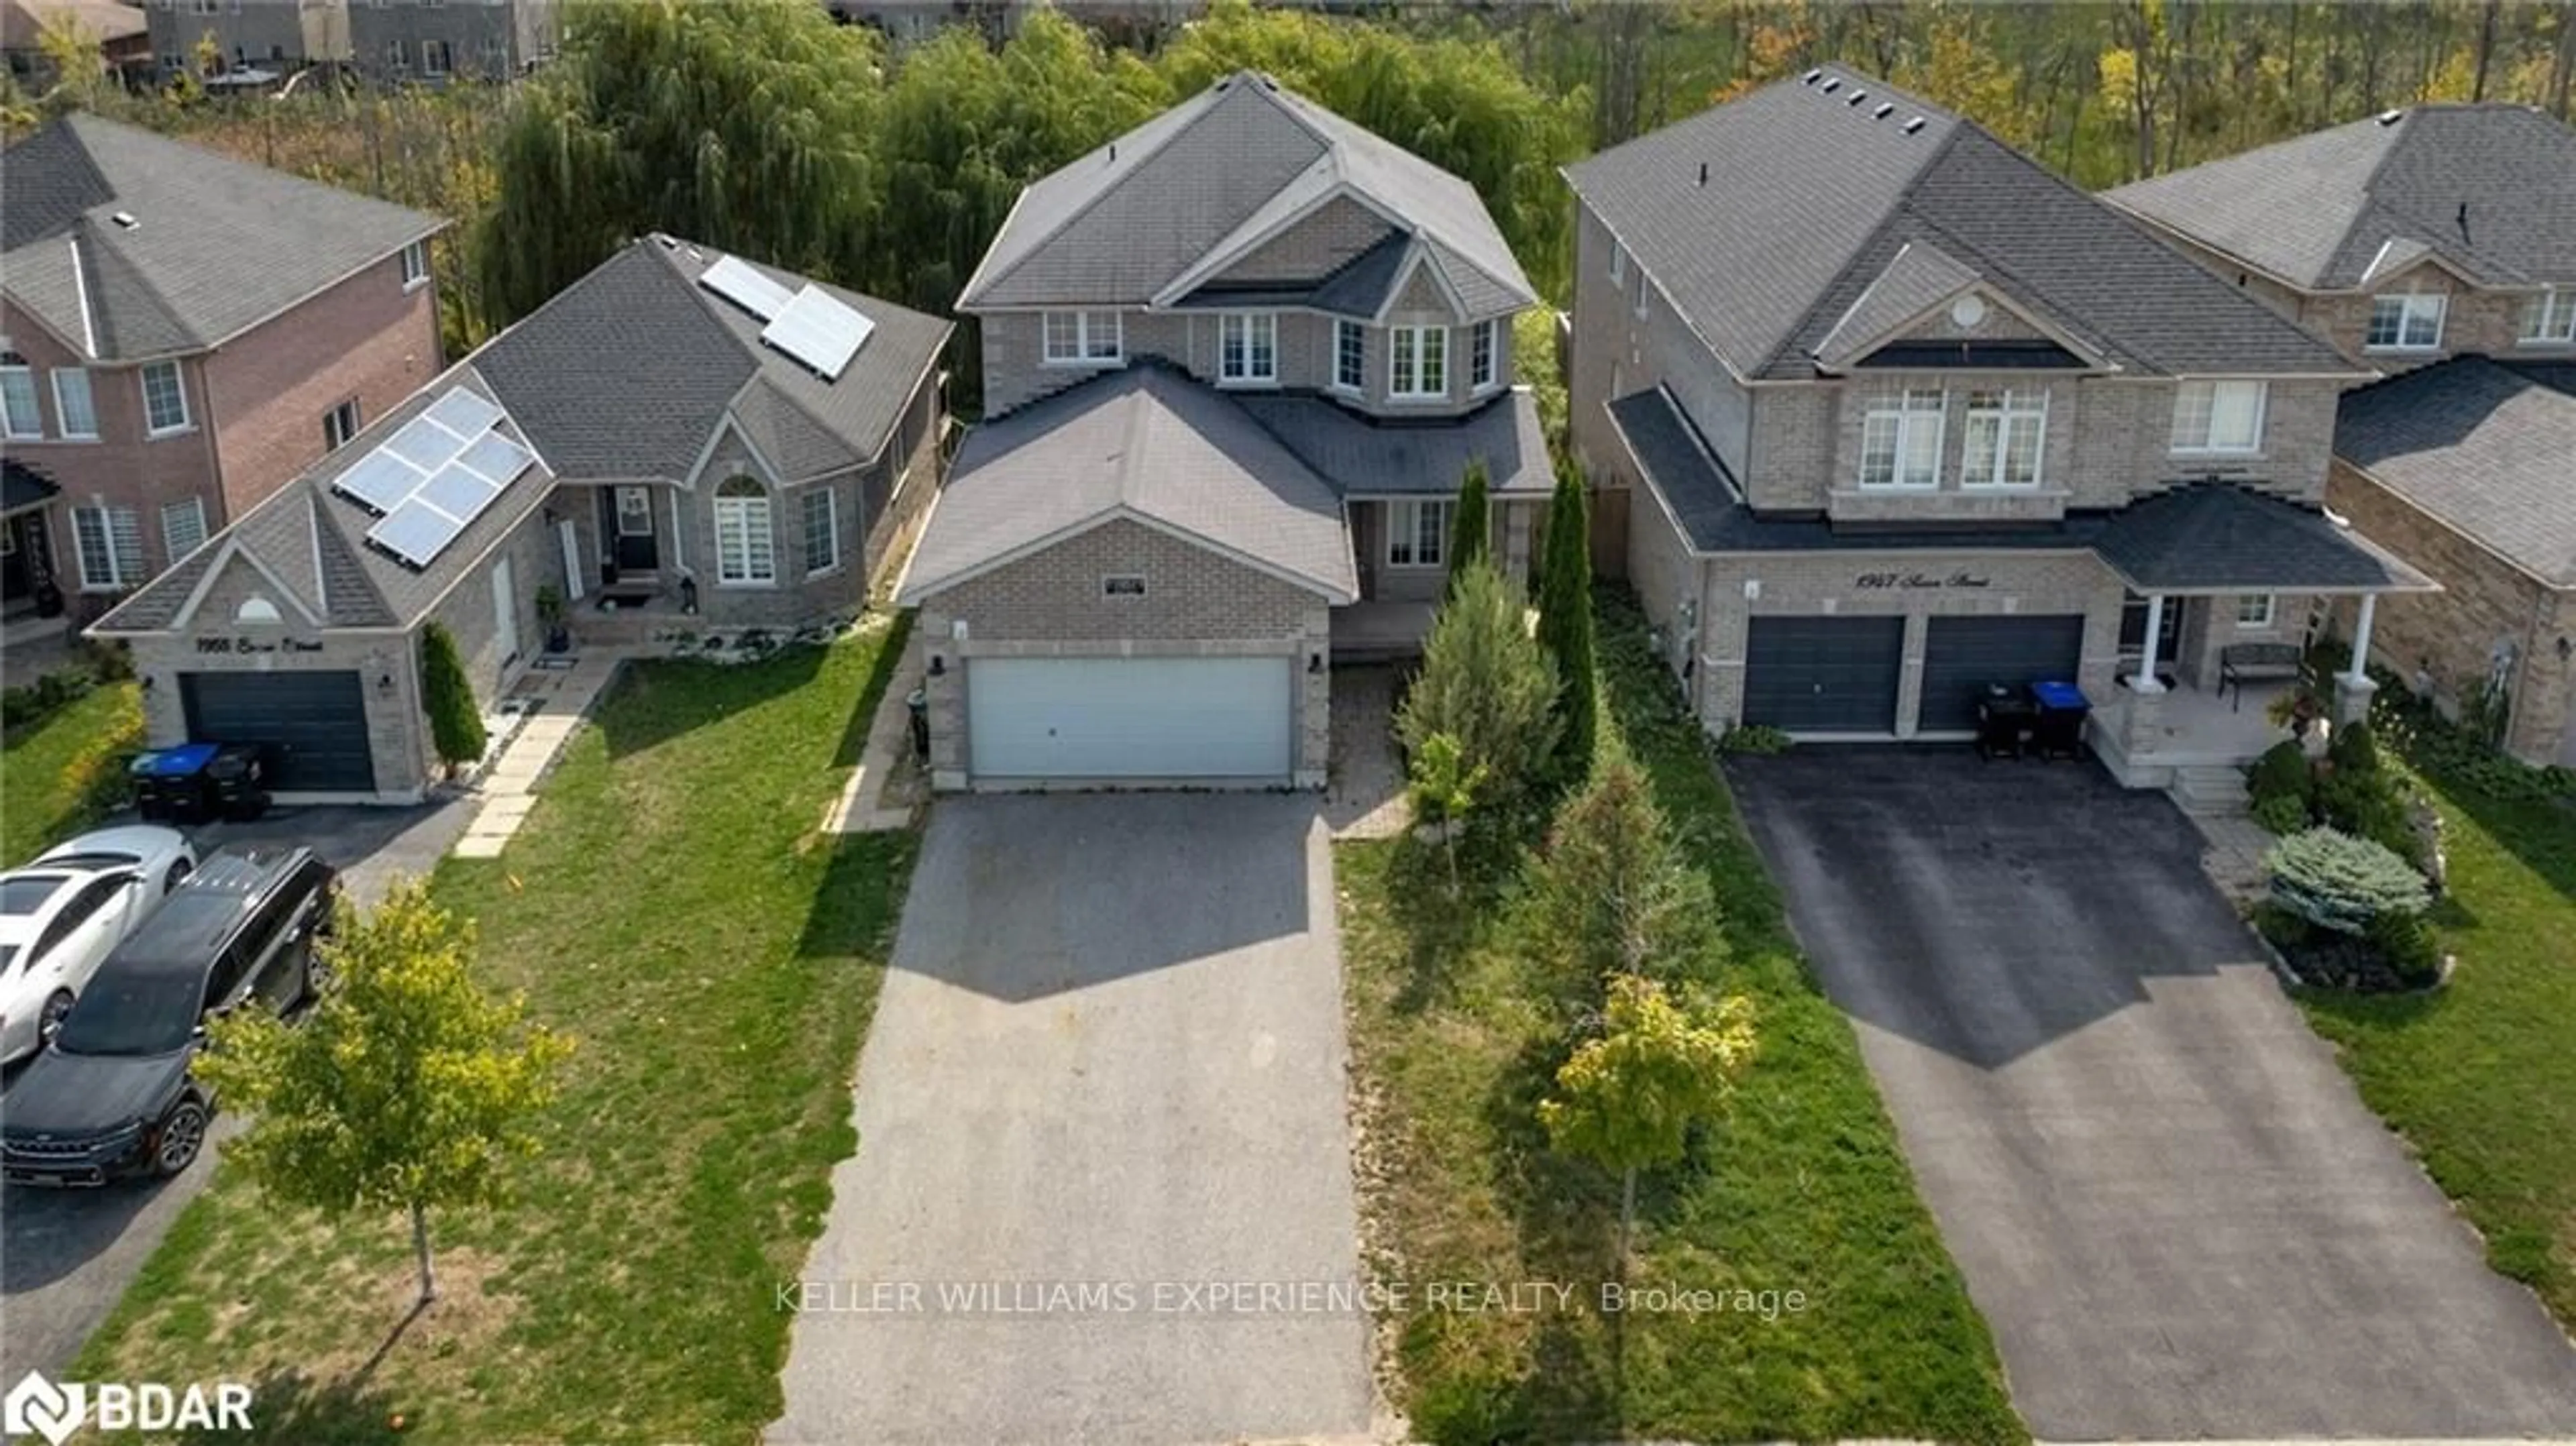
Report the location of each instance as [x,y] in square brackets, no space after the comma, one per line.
[17,589]
[630,526]
[505,613]
[2133,633]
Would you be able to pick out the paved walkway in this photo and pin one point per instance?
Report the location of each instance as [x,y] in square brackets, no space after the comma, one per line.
[888,782]
[508,785]
[1365,796]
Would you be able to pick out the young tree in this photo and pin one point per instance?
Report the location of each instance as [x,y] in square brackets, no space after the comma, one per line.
[1614,895]
[1626,1100]
[1471,523]
[1486,683]
[1565,622]
[455,720]
[1445,785]
[409,1088]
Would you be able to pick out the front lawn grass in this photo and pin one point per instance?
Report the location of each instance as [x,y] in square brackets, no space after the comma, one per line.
[1802,1189]
[56,775]
[671,905]
[2481,1077]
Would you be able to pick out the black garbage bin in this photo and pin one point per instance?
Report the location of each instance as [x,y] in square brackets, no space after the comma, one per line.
[236,780]
[2057,725]
[170,783]
[2003,717]
[918,703]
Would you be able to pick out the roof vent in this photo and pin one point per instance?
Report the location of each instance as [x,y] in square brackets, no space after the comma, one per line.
[1811,77]
[1113,150]
[125,220]
[2391,117]
[1833,85]
[1856,97]
[1703,173]
[667,243]
[1885,109]
[1910,127]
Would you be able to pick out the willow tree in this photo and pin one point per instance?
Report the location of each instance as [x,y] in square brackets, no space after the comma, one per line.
[744,126]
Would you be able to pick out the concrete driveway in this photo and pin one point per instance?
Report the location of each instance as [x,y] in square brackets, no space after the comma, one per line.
[1105,1081]
[2167,1199]
[67,1256]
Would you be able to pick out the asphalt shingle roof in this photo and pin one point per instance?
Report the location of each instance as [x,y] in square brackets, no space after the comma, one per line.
[1140,442]
[2485,449]
[1844,191]
[216,245]
[1367,457]
[1120,224]
[2317,210]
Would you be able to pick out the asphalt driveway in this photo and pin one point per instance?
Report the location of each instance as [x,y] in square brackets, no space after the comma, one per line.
[67,1256]
[1100,1109]
[2167,1199]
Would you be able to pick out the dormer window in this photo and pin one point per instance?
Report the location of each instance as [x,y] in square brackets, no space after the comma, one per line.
[1482,350]
[1084,338]
[2549,319]
[1350,356]
[1248,349]
[2406,323]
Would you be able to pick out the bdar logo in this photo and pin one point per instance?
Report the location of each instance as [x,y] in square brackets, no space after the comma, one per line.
[36,1406]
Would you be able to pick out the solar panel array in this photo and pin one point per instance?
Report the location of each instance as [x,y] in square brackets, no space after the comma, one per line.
[741,283]
[816,329]
[434,476]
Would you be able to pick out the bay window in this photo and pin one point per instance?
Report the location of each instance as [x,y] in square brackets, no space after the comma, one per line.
[1481,352]
[1350,356]
[1420,361]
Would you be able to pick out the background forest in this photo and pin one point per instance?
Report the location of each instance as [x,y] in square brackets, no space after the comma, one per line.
[761,126]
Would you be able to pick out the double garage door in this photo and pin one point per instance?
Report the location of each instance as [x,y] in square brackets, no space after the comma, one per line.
[1106,719]
[1844,674]
[316,723]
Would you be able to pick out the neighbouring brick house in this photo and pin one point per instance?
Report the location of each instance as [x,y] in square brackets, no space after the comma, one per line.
[654,445]
[2437,243]
[180,333]
[432,42]
[274,36]
[1881,414]
[1237,363]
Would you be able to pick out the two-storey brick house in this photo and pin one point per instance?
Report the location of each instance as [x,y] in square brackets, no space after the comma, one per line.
[180,333]
[1237,364]
[1882,413]
[433,42]
[2436,244]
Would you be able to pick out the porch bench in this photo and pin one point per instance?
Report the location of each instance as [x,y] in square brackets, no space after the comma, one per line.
[2243,663]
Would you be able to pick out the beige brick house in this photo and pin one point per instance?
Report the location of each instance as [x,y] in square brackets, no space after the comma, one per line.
[650,445]
[180,334]
[1882,416]
[2436,244]
[1237,363]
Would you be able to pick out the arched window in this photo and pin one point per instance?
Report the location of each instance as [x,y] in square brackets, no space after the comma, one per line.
[256,610]
[745,552]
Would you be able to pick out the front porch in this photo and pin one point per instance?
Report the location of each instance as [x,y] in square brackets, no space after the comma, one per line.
[2148,739]
[1380,632]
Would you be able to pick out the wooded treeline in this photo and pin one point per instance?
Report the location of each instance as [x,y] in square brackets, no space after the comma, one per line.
[761,126]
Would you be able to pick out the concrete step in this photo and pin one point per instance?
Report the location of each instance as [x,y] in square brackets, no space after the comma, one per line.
[2209,790]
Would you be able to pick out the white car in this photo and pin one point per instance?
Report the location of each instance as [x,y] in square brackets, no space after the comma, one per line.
[60,915]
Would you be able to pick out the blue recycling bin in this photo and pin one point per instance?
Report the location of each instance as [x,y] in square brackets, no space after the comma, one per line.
[2057,730]
[169,783]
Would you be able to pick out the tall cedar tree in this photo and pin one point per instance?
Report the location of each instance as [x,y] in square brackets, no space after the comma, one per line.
[1485,682]
[455,723]
[1471,528]
[1565,623]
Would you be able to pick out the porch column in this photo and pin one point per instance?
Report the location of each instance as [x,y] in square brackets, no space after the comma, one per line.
[2352,687]
[2146,680]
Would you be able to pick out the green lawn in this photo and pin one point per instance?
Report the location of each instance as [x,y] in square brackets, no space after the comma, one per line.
[1803,1189]
[48,771]
[2482,1077]
[672,905]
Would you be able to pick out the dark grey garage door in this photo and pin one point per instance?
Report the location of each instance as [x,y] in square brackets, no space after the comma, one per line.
[1962,655]
[317,721]
[1823,675]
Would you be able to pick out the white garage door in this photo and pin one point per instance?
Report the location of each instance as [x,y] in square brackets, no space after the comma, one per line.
[1082,718]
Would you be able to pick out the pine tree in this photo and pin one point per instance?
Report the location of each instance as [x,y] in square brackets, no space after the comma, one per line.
[455,721]
[1486,683]
[1471,528]
[1565,622]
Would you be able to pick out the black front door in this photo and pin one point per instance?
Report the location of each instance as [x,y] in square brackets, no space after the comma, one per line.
[27,566]
[626,520]
[16,587]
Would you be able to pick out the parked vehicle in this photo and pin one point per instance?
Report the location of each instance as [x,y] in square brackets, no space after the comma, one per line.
[60,915]
[112,1094]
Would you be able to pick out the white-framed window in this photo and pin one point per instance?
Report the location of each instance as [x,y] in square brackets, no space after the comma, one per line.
[1900,439]
[822,530]
[1084,338]
[1350,356]
[75,409]
[2255,609]
[2217,416]
[109,543]
[19,416]
[1417,533]
[397,56]
[183,527]
[2549,319]
[415,264]
[1482,350]
[2412,322]
[2005,433]
[1618,264]
[165,399]
[339,424]
[1418,361]
[1247,348]
[433,57]
[746,552]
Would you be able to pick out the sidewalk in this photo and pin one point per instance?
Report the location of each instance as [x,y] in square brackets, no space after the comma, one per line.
[887,784]
[507,788]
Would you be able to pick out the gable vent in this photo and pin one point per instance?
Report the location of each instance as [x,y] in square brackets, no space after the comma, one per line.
[1885,109]
[1910,127]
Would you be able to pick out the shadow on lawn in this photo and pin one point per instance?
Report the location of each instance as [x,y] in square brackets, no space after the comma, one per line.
[656,700]
[854,733]
[290,1408]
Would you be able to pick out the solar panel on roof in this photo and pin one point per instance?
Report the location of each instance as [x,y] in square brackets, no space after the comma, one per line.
[415,532]
[425,444]
[498,458]
[816,329]
[458,492]
[467,414]
[380,480]
[741,283]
